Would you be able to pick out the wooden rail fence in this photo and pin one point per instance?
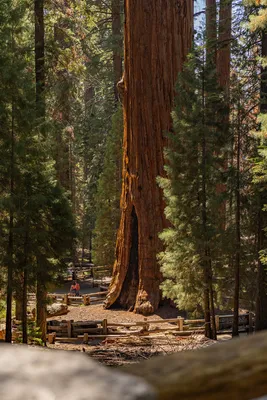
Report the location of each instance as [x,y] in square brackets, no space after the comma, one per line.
[86,299]
[72,331]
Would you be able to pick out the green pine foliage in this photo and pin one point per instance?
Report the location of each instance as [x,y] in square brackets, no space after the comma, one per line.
[107,198]
[42,226]
[194,172]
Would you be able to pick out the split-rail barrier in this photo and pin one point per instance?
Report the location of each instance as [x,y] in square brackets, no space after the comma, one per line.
[82,331]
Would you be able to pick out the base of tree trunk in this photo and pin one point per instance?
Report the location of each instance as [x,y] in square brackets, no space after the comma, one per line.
[140,306]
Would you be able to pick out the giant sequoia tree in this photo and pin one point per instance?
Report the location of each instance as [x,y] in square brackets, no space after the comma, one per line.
[158,35]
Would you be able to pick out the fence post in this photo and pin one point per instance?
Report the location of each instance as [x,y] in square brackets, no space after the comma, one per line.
[181,324]
[250,322]
[105,326]
[69,328]
[146,325]
[51,338]
[86,300]
[66,300]
[217,322]
[85,338]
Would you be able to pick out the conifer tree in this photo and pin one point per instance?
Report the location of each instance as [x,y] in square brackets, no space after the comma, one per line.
[258,22]
[194,169]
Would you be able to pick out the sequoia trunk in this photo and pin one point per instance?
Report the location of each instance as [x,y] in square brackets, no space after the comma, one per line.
[224,44]
[158,36]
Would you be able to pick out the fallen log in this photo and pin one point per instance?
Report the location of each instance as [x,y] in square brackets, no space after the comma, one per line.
[87,323]
[235,369]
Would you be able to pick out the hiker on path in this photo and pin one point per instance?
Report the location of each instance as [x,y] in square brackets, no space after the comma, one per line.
[75,288]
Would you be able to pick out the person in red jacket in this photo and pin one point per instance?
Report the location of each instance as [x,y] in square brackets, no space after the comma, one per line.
[77,287]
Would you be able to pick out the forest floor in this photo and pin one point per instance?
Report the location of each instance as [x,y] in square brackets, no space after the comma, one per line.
[131,349]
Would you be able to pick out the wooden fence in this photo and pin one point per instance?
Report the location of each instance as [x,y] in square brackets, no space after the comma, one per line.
[72,331]
[86,299]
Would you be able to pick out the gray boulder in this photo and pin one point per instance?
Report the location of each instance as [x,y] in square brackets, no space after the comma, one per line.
[57,309]
[35,374]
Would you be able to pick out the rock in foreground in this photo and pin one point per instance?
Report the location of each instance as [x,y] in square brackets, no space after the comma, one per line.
[33,374]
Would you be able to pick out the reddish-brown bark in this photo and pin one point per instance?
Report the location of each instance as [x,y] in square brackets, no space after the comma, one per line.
[224,44]
[158,36]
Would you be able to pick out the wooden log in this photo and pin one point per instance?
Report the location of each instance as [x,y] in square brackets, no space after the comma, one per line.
[68,340]
[194,321]
[69,328]
[86,300]
[119,336]
[231,315]
[87,330]
[127,324]
[159,321]
[121,324]
[171,331]
[105,326]
[181,324]
[235,369]
[66,300]
[217,322]
[85,323]
[56,328]
[85,338]
[51,338]
[75,297]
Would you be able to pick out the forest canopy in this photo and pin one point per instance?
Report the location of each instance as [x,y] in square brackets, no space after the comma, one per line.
[133,136]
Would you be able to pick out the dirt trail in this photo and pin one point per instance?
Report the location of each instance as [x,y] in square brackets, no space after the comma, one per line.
[114,351]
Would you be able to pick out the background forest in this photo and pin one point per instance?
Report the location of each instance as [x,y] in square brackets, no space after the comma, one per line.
[61,147]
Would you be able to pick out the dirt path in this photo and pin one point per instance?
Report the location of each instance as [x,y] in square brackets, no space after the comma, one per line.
[120,351]
[97,312]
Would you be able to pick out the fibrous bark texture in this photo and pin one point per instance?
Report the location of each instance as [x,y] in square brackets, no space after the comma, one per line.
[158,36]
[224,44]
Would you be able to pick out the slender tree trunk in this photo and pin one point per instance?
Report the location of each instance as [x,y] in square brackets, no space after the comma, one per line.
[209,312]
[238,232]
[41,302]
[24,304]
[9,281]
[206,257]
[40,113]
[158,36]
[211,30]
[25,285]
[90,246]
[89,94]
[261,297]
[19,305]
[39,58]
[117,44]
[10,249]
[223,53]
[212,308]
